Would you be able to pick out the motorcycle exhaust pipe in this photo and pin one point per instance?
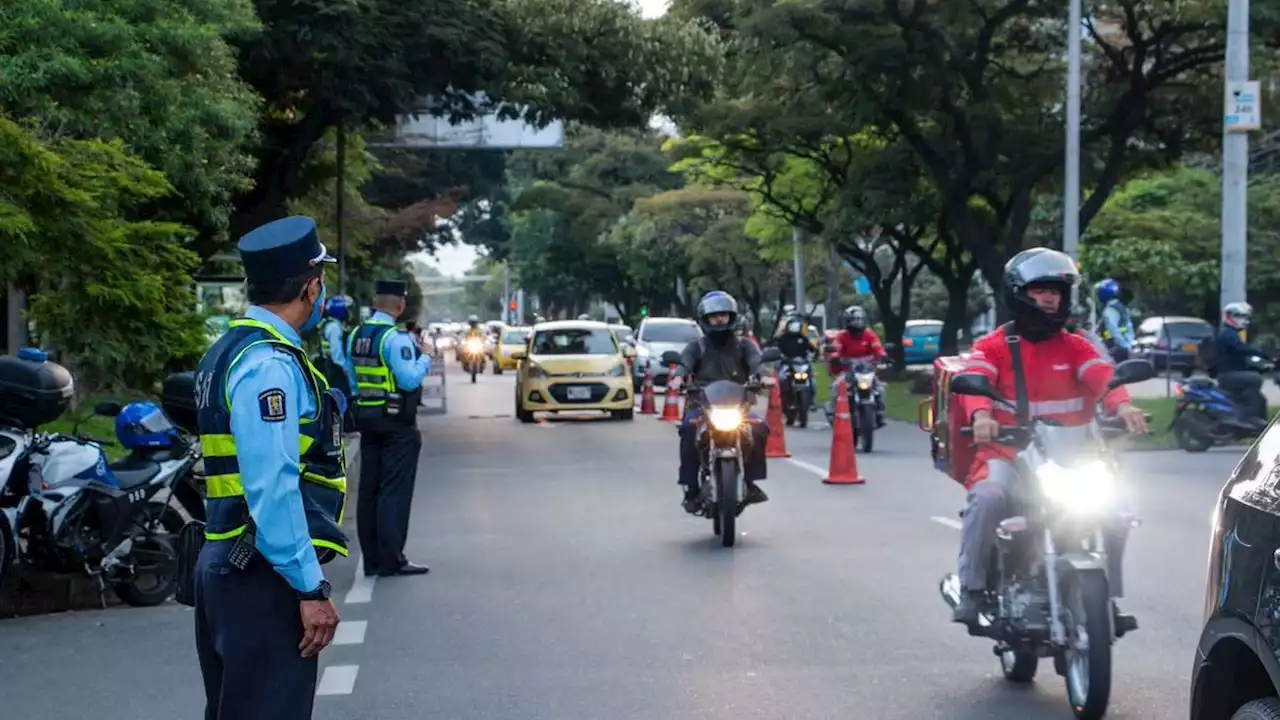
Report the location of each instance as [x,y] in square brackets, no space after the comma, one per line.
[949,588]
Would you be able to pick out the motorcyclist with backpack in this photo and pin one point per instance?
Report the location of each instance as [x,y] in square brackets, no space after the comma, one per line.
[720,355]
[1236,374]
[1115,326]
[1061,376]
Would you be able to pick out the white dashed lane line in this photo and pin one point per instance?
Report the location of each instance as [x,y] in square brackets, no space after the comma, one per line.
[338,680]
[949,522]
[362,589]
[350,632]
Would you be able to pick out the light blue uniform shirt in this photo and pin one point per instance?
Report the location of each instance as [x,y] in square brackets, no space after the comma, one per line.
[268,453]
[1112,319]
[332,330]
[400,354]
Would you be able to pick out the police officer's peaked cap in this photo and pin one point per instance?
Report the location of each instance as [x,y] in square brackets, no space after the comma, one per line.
[282,249]
[399,288]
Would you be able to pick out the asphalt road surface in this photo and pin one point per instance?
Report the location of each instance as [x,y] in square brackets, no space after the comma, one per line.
[567,584]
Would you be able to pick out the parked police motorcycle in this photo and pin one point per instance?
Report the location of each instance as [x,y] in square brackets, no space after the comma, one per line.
[796,386]
[723,434]
[1048,588]
[1205,415]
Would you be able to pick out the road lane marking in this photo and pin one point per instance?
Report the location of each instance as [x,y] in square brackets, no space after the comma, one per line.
[350,632]
[949,522]
[362,589]
[338,680]
[820,472]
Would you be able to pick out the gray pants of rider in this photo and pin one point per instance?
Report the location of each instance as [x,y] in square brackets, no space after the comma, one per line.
[988,504]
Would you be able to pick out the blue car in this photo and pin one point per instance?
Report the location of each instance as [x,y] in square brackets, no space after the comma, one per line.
[920,341]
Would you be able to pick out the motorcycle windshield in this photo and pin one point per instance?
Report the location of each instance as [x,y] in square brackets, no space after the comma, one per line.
[724,392]
[1069,446]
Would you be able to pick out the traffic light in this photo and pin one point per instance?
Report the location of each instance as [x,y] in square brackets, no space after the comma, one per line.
[644,312]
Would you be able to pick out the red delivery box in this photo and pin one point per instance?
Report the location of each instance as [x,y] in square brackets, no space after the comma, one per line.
[942,416]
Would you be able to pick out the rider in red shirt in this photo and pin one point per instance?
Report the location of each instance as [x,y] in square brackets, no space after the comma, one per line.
[855,343]
[1065,377]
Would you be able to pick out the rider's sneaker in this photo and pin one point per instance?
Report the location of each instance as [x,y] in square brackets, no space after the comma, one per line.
[690,501]
[966,612]
[755,495]
[1124,623]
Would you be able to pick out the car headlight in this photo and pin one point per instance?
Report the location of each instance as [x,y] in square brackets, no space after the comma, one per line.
[725,419]
[1087,488]
[537,372]
[618,370]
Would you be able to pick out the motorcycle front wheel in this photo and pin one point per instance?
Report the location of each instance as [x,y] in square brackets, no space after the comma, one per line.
[866,432]
[154,556]
[804,400]
[1191,434]
[1088,660]
[727,499]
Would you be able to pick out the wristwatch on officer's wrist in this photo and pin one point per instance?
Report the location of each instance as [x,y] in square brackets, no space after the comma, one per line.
[320,593]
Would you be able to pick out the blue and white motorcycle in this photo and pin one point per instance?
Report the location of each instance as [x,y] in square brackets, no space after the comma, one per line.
[64,510]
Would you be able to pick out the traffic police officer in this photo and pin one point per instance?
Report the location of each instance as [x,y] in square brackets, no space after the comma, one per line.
[332,360]
[389,371]
[270,432]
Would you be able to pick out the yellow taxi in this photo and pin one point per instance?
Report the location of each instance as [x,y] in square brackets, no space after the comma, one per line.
[574,365]
[511,340]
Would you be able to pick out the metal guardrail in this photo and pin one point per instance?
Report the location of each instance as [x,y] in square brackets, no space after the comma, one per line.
[435,400]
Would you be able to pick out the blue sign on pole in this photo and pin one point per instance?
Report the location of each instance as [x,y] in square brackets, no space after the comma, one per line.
[861,286]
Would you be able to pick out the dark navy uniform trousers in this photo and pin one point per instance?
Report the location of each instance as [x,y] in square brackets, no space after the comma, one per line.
[248,628]
[388,472]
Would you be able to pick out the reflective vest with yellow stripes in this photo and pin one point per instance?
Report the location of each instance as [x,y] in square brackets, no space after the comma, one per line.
[324,337]
[1104,332]
[374,380]
[321,453]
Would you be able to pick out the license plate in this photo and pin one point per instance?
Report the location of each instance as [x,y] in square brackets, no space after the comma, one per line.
[579,393]
[1190,348]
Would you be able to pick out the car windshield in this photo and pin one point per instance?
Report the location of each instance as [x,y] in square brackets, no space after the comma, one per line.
[669,332]
[923,330]
[574,341]
[514,337]
[1189,331]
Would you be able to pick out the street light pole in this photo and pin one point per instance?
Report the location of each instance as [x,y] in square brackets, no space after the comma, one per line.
[1071,181]
[340,209]
[798,236]
[1235,159]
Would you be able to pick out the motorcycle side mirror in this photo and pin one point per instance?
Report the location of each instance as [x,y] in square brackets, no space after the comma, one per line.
[979,385]
[1132,371]
[772,354]
[108,408]
[670,357]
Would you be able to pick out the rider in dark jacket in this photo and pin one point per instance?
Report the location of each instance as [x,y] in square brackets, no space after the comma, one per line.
[791,339]
[719,355]
[1236,375]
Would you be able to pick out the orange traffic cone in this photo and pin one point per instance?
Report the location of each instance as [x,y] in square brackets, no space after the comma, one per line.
[843,469]
[670,400]
[647,406]
[776,447]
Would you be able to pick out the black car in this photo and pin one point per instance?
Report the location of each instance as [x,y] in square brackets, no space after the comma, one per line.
[1236,674]
[1171,342]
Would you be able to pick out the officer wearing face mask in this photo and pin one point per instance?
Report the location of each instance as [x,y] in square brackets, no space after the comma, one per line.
[271,435]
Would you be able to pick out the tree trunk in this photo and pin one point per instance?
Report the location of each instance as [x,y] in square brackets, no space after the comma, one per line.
[954,319]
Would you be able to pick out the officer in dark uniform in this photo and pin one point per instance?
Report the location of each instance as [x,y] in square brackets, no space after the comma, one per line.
[270,432]
[389,367]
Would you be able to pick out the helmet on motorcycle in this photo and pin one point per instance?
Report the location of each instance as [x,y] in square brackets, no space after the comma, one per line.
[144,425]
[1237,315]
[1107,290]
[336,307]
[855,319]
[1033,270]
[717,311]
[473,321]
[740,326]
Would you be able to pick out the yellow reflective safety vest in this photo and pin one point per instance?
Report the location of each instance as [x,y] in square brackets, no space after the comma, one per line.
[322,456]
[374,380]
[1104,332]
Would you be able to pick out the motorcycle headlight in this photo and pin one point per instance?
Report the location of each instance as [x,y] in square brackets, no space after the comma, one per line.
[618,370]
[801,376]
[864,384]
[474,345]
[1088,488]
[536,372]
[725,419]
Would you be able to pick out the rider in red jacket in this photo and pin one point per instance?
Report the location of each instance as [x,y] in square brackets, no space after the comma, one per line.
[856,342]
[1065,377]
